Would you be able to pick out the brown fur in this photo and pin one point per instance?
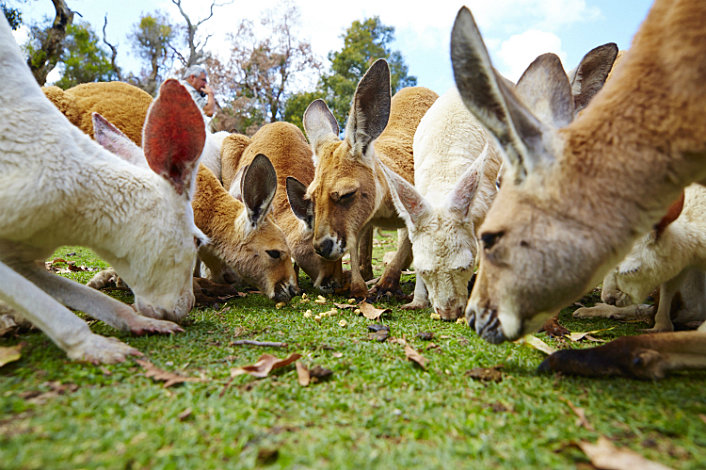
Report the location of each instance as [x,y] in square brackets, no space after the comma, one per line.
[221,218]
[124,105]
[286,147]
[216,213]
[551,236]
[340,169]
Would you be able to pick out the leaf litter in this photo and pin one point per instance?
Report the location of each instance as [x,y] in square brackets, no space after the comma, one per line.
[160,375]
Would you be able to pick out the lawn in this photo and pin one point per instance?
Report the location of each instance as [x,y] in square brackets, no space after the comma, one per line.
[377,409]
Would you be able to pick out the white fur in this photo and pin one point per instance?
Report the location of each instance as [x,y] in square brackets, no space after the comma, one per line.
[444,241]
[58,187]
[675,261]
[211,155]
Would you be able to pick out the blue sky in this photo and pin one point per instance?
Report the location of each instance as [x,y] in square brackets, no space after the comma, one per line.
[515,31]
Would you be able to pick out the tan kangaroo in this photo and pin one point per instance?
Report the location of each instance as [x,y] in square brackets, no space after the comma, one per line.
[580,194]
[241,235]
[349,194]
[290,154]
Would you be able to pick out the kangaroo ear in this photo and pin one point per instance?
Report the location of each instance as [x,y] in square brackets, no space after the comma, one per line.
[461,198]
[489,98]
[113,140]
[320,124]
[672,214]
[545,90]
[174,135]
[370,109]
[410,205]
[302,207]
[236,184]
[258,188]
[591,73]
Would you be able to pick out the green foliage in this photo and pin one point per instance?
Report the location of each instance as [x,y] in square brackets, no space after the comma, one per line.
[297,104]
[83,59]
[13,15]
[152,38]
[363,43]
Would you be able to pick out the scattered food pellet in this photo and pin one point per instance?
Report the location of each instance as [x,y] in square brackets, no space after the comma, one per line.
[280,304]
[357,311]
[435,316]
[308,314]
[317,318]
[304,296]
[351,301]
[461,321]
[343,323]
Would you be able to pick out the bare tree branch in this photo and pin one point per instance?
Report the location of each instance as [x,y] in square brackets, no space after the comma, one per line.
[49,52]
[196,50]
[113,50]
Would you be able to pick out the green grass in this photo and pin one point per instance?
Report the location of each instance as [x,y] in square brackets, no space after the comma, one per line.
[378,410]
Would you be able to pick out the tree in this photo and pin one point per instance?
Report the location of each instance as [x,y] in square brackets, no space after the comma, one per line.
[261,74]
[12,14]
[152,37]
[197,53]
[46,47]
[363,43]
[82,58]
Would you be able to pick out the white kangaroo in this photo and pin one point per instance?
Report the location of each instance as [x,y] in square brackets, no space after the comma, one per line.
[58,187]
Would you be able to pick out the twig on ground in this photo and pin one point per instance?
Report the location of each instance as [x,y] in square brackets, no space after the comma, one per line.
[250,342]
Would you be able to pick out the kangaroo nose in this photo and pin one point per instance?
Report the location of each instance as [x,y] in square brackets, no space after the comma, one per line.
[325,248]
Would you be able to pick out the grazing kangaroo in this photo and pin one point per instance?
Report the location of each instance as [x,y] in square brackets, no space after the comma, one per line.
[580,194]
[349,194]
[58,187]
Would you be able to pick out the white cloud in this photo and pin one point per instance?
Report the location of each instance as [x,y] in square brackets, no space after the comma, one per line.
[519,50]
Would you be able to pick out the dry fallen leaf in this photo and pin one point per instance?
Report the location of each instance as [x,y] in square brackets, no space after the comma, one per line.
[605,455]
[537,344]
[10,354]
[580,415]
[184,414]
[302,374]
[169,378]
[319,373]
[371,312]
[345,306]
[264,365]
[486,374]
[578,336]
[414,356]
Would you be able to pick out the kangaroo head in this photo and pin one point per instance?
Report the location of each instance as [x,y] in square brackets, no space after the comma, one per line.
[343,192]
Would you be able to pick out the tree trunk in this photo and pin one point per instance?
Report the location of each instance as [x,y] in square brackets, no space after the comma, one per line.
[50,50]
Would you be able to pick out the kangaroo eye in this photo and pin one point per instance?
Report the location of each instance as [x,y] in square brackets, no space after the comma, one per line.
[490,239]
[274,254]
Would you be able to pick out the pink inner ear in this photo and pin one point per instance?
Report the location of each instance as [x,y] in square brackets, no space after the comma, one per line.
[174,134]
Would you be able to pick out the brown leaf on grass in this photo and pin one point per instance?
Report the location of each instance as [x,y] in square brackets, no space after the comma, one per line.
[371,312]
[537,344]
[159,375]
[184,414]
[10,354]
[578,336]
[414,356]
[486,374]
[603,454]
[425,335]
[303,376]
[319,373]
[264,365]
[580,415]
[702,417]
[345,306]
